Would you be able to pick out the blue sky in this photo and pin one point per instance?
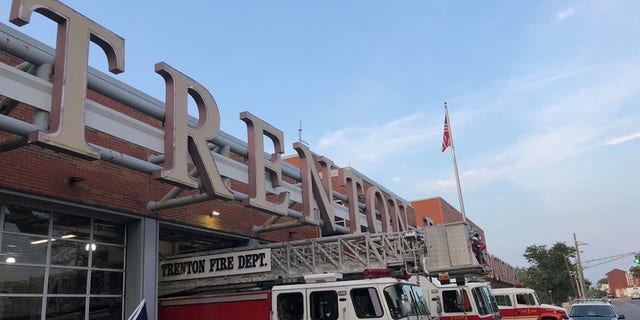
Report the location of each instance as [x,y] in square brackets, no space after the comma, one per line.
[543,99]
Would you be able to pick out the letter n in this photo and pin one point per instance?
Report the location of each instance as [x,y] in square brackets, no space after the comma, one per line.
[314,188]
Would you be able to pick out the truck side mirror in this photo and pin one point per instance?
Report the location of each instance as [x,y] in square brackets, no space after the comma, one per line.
[405,305]
[460,300]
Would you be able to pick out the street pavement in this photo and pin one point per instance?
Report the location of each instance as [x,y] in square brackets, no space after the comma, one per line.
[630,308]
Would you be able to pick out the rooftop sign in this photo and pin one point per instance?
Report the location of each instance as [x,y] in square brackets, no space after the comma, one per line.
[184,144]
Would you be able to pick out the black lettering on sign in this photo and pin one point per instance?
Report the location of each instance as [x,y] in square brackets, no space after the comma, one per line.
[220,264]
[251,261]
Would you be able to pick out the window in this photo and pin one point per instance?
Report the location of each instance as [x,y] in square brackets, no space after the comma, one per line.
[503,300]
[290,306]
[525,299]
[482,301]
[405,300]
[71,265]
[324,305]
[578,311]
[421,302]
[450,301]
[366,303]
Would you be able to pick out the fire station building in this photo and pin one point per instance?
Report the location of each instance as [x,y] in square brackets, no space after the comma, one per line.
[100,183]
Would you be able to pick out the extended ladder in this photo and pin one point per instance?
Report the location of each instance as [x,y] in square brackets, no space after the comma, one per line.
[291,261]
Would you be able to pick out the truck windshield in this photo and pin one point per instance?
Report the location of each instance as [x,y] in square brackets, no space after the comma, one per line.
[404,300]
[485,301]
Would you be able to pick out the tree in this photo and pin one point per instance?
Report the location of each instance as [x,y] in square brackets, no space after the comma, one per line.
[548,272]
[635,271]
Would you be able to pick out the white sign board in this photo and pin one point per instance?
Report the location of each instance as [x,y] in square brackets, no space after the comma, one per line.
[231,263]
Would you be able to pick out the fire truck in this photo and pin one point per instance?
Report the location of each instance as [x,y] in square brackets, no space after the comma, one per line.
[359,276]
[453,277]
[355,276]
[524,304]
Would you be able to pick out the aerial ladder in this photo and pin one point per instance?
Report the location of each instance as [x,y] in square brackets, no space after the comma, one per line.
[430,251]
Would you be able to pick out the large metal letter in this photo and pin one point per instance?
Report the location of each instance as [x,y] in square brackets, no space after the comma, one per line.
[314,188]
[375,198]
[180,138]
[258,166]
[66,120]
[354,188]
[398,214]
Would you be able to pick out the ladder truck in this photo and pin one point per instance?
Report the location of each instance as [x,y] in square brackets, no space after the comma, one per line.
[452,277]
[356,276]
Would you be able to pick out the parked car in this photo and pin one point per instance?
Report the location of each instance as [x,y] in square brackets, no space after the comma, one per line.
[593,310]
[635,294]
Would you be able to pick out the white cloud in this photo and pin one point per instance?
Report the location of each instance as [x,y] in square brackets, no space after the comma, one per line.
[565,14]
[567,123]
[624,139]
[363,145]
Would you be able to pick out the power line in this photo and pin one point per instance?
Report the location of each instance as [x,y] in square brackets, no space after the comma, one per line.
[598,261]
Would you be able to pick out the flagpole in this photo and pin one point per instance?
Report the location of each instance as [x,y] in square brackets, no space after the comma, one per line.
[455,165]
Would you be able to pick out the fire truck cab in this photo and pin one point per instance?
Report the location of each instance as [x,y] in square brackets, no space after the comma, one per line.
[322,297]
[471,300]
[524,304]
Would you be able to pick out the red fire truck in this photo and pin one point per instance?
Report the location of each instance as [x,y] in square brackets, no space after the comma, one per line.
[472,301]
[524,304]
[298,280]
[454,283]
[340,277]
[323,296]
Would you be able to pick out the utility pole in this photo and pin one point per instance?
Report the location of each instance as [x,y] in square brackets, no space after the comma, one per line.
[581,284]
[572,275]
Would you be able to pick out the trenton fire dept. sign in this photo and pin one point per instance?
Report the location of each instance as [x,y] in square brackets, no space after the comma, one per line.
[185,144]
[232,263]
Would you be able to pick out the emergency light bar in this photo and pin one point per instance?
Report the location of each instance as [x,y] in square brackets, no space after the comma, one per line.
[379,273]
[323,277]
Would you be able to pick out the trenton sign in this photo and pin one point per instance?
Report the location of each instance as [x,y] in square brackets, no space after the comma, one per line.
[182,143]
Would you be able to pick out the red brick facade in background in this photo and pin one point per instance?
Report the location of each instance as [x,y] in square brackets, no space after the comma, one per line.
[440,211]
[617,280]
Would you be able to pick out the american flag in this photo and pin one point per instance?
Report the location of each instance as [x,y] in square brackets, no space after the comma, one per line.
[140,313]
[446,136]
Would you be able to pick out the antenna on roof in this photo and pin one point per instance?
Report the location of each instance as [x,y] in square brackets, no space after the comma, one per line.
[300,134]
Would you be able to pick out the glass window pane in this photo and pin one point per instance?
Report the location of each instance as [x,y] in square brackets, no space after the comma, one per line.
[24,249]
[290,305]
[366,303]
[67,281]
[65,225]
[21,279]
[69,253]
[324,305]
[105,308]
[65,308]
[20,308]
[21,219]
[109,257]
[110,232]
[106,282]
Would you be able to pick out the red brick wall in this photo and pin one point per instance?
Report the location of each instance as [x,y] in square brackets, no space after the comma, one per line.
[44,172]
[616,279]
